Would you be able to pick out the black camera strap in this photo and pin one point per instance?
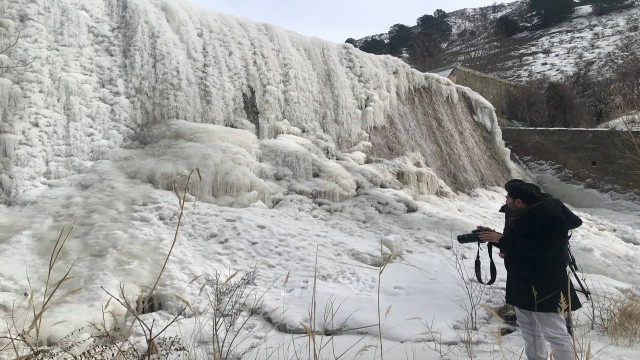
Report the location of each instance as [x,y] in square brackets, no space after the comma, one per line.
[492,266]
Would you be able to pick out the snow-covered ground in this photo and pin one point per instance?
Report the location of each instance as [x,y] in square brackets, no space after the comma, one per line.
[304,251]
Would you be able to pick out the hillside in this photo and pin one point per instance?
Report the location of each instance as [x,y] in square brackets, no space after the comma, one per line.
[554,51]
[581,71]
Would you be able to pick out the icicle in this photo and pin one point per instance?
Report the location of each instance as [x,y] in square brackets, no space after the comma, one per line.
[7,145]
[5,87]
[7,185]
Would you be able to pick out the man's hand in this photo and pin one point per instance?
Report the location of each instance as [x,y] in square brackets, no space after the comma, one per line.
[490,236]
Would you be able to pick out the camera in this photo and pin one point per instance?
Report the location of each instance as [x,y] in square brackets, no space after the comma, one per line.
[472,236]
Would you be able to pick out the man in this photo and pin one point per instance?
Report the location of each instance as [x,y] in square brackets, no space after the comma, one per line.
[573,221]
[535,241]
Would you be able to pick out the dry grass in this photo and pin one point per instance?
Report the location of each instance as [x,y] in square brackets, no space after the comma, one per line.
[21,340]
[151,334]
[616,315]
[320,340]
[474,293]
[625,325]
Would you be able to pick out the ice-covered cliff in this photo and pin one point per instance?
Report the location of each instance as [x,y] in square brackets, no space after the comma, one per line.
[159,87]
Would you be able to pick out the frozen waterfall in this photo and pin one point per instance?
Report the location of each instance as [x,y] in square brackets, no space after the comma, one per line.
[125,80]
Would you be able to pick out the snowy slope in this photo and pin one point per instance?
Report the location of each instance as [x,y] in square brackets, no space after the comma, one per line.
[603,40]
[552,52]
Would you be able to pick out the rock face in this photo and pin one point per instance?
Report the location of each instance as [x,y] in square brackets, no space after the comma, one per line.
[103,72]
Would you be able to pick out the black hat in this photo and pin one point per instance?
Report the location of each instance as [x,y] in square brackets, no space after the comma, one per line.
[525,192]
[508,184]
[535,188]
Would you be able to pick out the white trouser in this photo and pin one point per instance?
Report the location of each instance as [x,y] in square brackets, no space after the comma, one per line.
[536,327]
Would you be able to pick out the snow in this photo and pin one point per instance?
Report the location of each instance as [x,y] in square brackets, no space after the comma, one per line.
[583,10]
[555,52]
[344,196]
[630,122]
[601,41]
[444,73]
[124,229]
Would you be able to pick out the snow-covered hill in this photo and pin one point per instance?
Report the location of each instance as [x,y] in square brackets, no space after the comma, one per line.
[602,40]
[552,52]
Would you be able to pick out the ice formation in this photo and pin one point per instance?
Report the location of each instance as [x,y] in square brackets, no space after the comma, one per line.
[160,87]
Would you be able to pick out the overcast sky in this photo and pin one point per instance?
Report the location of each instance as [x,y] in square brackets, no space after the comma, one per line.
[337,20]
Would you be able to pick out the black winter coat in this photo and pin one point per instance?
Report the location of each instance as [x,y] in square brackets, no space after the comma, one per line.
[573,221]
[535,245]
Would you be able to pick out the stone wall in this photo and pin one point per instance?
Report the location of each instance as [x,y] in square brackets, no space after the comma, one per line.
[495,90]
[594,155]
